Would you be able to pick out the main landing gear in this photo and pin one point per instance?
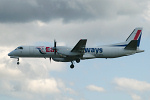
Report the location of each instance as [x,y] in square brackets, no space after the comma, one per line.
[72,65]
[18,61]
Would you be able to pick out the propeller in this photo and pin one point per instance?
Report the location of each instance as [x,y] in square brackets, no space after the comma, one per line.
[54,48]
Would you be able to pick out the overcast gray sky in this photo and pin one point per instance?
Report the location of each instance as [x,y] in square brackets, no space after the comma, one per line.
[34,22]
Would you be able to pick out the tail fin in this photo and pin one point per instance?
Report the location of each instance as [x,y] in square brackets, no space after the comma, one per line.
[133,41]
[135,35]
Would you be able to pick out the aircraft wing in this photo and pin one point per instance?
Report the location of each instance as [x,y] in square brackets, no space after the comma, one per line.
[80,46]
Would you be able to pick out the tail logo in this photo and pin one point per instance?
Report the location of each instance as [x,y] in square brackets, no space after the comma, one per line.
[137,35]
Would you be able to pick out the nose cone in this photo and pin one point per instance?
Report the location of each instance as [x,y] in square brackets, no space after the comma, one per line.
[10,54]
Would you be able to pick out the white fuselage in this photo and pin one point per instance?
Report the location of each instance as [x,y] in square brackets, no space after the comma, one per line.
[89,53]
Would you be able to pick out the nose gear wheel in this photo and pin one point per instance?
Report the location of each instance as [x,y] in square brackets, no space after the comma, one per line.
[18,61]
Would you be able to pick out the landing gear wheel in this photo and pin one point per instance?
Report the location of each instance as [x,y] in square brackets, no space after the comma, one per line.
[18,63]
[77,60]
[71,66]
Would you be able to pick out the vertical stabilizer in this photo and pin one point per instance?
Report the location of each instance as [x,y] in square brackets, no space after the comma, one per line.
[135,35]
[133,41]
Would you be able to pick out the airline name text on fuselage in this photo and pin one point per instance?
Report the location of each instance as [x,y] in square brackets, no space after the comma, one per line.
[87,50]
[92,50]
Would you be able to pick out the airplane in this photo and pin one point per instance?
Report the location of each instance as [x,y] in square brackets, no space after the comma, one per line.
[80,51]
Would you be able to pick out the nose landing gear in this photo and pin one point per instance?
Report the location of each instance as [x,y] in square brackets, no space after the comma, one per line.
[18,61]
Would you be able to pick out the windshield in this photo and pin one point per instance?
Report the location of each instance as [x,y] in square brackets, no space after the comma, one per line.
[19,48]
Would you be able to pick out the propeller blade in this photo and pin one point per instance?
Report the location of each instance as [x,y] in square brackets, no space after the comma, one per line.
[54,43]
[55,47]
[50,59]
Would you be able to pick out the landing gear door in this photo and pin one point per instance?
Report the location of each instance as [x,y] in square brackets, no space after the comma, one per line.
[31,50]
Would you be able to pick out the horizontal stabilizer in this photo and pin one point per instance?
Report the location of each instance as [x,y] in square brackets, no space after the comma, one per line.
[132,45]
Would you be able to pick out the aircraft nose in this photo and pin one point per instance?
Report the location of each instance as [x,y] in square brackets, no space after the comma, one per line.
[10,54]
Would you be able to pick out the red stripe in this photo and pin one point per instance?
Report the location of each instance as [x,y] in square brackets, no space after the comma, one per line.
[137,34]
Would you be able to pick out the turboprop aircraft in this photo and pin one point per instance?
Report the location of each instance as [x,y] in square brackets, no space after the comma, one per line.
[80,51]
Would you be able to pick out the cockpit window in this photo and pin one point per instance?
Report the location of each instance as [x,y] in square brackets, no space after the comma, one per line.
[19,48]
